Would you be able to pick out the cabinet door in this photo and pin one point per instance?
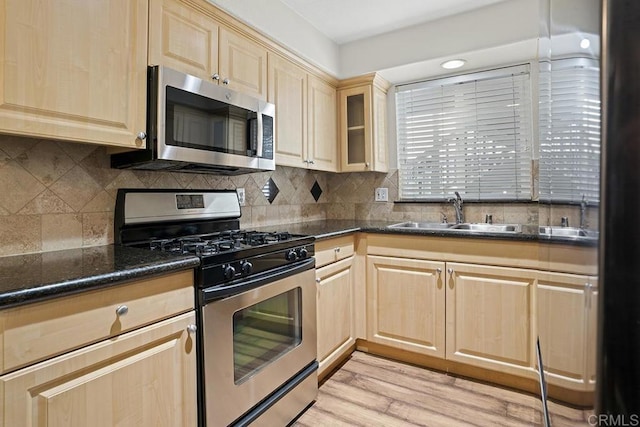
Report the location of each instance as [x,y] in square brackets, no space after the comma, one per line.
[288,91]
[242,64]
[406,304]
[321,125]
[355,128]
[592,332]
[489,317]
[182,38]
[334,311]
[143,378]
[379,149]
[562,328]
[74,70]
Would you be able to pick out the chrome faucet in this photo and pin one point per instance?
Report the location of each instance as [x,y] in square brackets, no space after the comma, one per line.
[457,204]
[583,211]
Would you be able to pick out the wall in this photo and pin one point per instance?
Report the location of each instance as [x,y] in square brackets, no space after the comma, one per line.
[59,195]
[279,22]
[500,24]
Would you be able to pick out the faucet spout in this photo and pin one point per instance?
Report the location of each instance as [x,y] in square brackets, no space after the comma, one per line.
[583,211]
[457,204]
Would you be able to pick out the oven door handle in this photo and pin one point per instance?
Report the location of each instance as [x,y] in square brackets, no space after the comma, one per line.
[241,285]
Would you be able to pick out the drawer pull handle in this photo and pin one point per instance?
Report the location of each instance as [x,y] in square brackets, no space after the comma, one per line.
[439,271]
[450,271]
[318,280]
[192,329]
[337,250]
[122,310]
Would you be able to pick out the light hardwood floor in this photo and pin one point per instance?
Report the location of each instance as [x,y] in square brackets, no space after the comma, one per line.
[372,391]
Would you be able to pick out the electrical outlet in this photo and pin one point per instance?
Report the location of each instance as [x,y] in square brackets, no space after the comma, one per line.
[382,194]
[241,198]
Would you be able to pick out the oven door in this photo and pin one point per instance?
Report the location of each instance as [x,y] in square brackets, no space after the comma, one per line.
[254,342]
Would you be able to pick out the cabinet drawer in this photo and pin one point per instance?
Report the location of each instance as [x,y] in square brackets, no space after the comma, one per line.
[41,330]
[332,250]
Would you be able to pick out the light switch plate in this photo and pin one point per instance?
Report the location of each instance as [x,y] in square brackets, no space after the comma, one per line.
[382,194]
[241,195]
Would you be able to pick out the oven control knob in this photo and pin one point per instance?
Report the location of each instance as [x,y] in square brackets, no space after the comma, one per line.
[291,255]
[229,272]
[303,253]
[247,267]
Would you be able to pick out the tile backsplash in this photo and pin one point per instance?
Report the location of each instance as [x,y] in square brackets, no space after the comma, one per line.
[58,195]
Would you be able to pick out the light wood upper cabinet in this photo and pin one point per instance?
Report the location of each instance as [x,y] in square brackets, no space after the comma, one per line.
[305,117]
[490,317]
[74,70]
[363,108]
[193,41]
[288,92]
[406,304]
[567,329]
[183,38]
[243,64]
[143,378]
[321,125]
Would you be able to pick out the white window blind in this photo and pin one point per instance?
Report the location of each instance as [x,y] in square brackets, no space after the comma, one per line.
[570,130]
[470,134]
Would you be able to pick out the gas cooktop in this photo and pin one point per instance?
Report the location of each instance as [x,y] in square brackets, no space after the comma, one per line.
[226,241]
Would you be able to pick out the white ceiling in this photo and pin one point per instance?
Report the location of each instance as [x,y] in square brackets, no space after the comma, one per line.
[344,21]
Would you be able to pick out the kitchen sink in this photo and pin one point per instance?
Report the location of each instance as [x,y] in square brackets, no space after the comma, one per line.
[422,225]
[488,228]
[569,232]
[467,227]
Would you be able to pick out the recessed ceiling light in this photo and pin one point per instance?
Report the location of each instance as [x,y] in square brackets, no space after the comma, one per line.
[454,63]
[585,43]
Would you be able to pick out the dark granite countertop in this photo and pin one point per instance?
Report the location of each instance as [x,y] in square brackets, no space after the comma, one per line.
[34,277]
[325,229]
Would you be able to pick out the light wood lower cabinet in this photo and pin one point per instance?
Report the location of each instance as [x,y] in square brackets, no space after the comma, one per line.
[120,355]
[406,304]
[490,317]
[566,316]
[143,378]
[335,299]
[478,306]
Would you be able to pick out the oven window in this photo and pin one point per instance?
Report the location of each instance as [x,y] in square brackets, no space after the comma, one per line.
[265,331]
[194,121]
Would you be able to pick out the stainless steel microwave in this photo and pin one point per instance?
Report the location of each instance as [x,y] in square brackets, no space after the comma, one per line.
[194,125]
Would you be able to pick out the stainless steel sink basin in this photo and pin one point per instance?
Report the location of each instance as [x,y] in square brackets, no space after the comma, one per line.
[568,232]
[467,227]
[410,225]
[488,228]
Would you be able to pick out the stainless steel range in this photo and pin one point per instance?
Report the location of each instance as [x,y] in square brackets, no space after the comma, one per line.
[256,302]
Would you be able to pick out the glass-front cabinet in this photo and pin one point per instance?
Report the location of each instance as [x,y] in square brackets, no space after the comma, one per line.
[362,109]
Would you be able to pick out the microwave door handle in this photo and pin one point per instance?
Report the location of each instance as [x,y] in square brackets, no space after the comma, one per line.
[259,135]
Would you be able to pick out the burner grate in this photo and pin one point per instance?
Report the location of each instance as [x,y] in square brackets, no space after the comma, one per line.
[220,242]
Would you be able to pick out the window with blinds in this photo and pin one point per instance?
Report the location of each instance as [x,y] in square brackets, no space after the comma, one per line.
[470,134]
[570,130]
